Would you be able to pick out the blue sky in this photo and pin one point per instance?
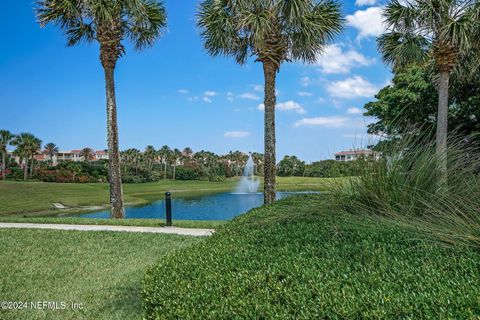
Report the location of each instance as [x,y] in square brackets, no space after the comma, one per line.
[176,94]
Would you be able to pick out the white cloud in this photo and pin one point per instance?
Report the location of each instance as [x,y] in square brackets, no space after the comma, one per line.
[230,96]
[306,81]
[286,106]
[354,110]
[257,87]
[250,96]
[210,93]
[353,87]
[183,91]
[329,122]
[192,98]
[304,94]
[207,99]
[365,2]
[368,22]
[335,60]
[236,134]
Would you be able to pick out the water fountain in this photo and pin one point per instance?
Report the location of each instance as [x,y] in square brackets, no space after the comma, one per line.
[248,183]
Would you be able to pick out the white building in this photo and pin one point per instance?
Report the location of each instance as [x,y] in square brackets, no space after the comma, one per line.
[352,155]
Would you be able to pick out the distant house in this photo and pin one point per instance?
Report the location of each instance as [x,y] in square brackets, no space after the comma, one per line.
[75,155]
[352,155]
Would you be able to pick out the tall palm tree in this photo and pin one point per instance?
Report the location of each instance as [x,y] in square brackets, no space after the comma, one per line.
[87,154]
[423,31]
[164,154]
[274,31]
[6,138]
[108,23]
[27,145]
[51,150]
[150,155]
[174,159]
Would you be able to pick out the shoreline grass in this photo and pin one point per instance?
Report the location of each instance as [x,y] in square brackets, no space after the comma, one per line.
[201,224]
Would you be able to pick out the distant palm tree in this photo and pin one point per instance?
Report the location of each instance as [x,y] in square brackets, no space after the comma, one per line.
[164,154]
[27,146]
[420,31]
[150,155]
[87,154]
[108,23]
[274,31]
[187,152]
[6,138]
[51,150]
[174,158]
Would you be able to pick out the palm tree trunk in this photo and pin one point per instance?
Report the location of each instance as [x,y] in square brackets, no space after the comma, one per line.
[116,193]
[270,73]
[442,124]
[174,172]
[25,168]
[4,164]
[32,163]
[165,171]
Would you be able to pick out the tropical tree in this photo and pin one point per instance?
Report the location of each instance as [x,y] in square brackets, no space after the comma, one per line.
[187,152]
[423,31]
[27,145]
[174,159]
[87,154]
[274,31]
[51,150]
[150,155]
[164,154]
[6,138]
[108,23]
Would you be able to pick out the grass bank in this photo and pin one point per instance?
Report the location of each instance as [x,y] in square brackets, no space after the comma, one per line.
[37,198]
[115,222]
[100,270]
[298,260]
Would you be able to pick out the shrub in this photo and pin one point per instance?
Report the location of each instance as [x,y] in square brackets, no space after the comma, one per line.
[406,185]
[296,260]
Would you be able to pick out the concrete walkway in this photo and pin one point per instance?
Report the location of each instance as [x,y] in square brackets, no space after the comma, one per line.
[79,227]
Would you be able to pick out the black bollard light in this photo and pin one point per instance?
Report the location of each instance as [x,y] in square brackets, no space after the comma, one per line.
[168,207]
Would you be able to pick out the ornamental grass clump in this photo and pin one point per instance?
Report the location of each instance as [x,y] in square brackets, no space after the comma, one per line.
[407,185]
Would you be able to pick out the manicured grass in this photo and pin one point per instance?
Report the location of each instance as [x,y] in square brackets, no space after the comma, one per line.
[298,260]
[37,198]
[116,222]
[100,270]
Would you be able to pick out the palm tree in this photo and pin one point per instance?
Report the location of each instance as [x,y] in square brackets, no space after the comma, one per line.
[274,31]
[87,154]
[187,152]
[164,154]
[174,158]
[51,150]
[423,31]
[6,138]
[27,145]
[108,23]
[150,155]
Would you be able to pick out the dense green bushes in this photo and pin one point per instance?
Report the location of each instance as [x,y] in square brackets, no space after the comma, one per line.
[80,172]
[333,169]
[297,260]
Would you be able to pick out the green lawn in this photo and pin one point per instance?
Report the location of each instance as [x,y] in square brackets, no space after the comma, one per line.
[297,259]
[36,198]
[100,270]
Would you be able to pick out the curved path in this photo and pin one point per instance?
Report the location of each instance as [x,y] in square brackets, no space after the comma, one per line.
[79,227]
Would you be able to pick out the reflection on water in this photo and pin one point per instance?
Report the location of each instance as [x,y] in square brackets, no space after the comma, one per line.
[221,206]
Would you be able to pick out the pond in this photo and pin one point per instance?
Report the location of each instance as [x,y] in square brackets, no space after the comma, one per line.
[220,206]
